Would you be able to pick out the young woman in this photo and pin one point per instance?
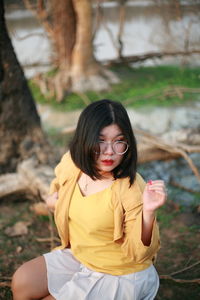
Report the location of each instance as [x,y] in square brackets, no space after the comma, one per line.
[105,216]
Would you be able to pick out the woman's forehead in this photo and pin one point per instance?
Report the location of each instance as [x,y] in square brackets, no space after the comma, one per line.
[111,130]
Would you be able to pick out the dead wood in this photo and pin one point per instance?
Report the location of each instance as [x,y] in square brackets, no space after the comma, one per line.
[168,277]
[185,269]
[173,149]
[32,180]
[151,55]
[47,240]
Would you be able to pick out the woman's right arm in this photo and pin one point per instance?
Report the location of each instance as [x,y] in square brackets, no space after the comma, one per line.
[60,177]
[51,201]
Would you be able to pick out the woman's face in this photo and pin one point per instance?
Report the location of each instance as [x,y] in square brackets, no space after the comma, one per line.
[108,159]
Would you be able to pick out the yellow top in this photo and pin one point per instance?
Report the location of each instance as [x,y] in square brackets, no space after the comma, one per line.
[127,213]
[91,226]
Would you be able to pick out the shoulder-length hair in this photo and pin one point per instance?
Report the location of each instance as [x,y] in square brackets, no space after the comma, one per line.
[92,120]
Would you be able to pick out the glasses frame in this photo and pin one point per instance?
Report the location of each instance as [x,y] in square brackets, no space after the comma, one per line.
[112,144]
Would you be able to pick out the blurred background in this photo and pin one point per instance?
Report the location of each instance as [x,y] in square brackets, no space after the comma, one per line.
[56,57]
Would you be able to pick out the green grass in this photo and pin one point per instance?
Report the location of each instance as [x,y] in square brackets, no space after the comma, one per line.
[135,88]
[165,216]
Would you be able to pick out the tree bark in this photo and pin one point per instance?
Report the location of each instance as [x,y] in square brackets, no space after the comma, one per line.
[21,135]
[69,24]
[64,22]
[86,73]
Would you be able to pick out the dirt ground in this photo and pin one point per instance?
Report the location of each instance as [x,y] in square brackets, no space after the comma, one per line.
[180,235]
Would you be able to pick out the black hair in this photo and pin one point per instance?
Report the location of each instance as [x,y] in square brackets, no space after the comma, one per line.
[92,120]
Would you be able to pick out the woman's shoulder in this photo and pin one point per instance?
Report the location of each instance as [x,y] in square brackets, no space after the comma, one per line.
[66,168]
[124,183]
[130,196]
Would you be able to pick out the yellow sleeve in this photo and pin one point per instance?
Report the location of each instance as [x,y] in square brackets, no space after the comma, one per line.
[132,243]
[60,174]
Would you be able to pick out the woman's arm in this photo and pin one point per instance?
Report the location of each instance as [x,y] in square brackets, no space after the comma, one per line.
[51,201]
[154,196]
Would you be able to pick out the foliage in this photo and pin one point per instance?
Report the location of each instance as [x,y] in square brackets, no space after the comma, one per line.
[138,87]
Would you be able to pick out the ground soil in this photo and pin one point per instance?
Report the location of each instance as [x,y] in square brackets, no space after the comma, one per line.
[180,235]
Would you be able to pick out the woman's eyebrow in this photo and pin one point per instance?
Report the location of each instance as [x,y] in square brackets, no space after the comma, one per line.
[119,134]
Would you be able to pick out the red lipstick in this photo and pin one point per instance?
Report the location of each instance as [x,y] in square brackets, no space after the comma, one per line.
[107,162]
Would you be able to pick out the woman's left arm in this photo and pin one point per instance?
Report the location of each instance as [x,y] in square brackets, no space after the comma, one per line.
[154,196]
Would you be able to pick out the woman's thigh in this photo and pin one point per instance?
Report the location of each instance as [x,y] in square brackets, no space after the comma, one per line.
[30,280]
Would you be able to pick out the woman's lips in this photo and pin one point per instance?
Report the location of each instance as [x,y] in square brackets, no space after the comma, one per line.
[107,162]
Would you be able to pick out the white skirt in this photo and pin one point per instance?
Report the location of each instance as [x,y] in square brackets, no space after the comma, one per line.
[68,279]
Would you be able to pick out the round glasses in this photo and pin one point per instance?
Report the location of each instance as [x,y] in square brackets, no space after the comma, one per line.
[119,147]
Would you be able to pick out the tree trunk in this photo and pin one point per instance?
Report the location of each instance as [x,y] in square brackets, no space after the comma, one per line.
[64,31]
[21,135]
[69,25]
[83,65]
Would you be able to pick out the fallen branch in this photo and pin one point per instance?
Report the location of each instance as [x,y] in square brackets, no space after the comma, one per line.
[186,268]
[173,149]
[47,240]
[151,55]
[31,180]
[168,277]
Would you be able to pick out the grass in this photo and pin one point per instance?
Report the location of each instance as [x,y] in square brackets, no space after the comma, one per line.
[135,87]
[165,217]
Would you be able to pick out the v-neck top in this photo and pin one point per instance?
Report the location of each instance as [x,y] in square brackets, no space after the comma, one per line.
[91,226]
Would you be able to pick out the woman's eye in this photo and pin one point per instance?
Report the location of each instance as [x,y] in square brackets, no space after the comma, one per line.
[119,140]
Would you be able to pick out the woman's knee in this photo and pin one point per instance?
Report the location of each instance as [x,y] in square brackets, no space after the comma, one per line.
[30,280]
[20,281]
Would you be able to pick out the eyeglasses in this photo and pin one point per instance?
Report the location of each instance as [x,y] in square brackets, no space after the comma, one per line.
[119,147]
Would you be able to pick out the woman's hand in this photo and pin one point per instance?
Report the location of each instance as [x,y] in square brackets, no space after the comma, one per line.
[51,200]
[154,196]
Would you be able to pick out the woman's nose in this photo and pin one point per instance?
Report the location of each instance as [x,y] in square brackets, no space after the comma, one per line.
[109,149]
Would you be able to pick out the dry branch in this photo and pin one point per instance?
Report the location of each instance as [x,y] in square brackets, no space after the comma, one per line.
[151,55]
[47,240]
[186,268]
[168,277]
[31,180]
[171,148]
